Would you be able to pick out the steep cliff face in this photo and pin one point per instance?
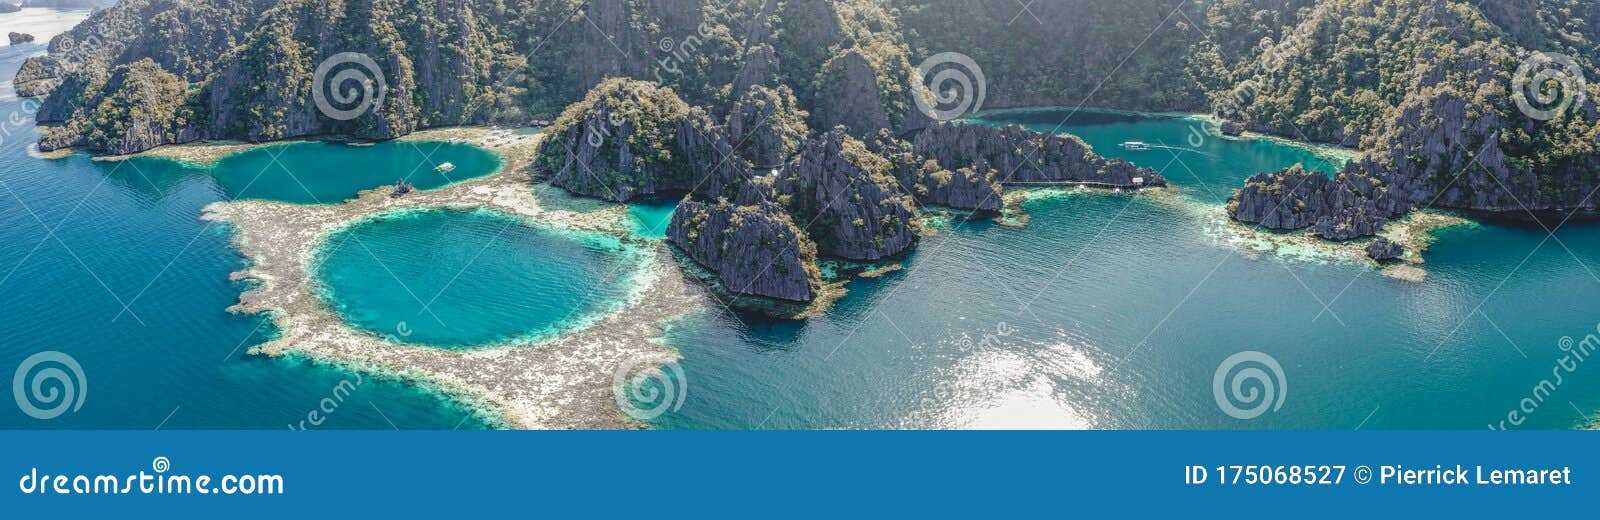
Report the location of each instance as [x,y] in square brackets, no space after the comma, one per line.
[850,94]
[766,126]
[754,249]
[1020,155]
[147,107]
[1457,139]
[629,138]
[1439,110]
[1352,204]
[37,77]
[845,197]
[971,188]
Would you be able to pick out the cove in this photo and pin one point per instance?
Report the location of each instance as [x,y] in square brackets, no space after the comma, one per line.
[1114,311]
[467,278]
[330,173]
[108,262]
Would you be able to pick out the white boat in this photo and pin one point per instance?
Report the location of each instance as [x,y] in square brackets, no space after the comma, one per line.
[444,167]
[1135,145]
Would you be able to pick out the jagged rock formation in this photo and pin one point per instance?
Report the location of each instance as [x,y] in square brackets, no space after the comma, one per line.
[250,65]
[145,109]
[972,188]
[1020,155]
[754,249]
[629,138]
[17,38]
[844,196]
[37,77]
[1383,250]
[850,97]
[1349,205]
[1437,110]
[766,127]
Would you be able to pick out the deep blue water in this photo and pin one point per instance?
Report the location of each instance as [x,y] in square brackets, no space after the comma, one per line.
[459,278]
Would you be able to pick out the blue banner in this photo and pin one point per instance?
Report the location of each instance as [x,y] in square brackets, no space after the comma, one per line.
[757,474]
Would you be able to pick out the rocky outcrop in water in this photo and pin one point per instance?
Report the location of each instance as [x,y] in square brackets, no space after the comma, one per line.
[1021,156]
[9,7]
[17,38]
[37,77]
[1351,204]
[753,249]
[847,200]
[1383,250]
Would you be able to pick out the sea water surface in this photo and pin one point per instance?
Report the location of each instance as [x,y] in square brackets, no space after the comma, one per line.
[110,263]
[330,173]
[1115,311]
[468,278]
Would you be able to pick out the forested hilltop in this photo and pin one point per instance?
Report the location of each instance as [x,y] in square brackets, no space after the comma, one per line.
[1425,87]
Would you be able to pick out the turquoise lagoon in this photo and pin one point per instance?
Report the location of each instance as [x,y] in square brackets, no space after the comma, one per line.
[330,173]
[83,238]
[469,278]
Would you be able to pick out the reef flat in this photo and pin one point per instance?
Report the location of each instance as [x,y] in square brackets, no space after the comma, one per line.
[561,382]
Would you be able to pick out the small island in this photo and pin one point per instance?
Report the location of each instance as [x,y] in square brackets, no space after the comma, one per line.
[17,38]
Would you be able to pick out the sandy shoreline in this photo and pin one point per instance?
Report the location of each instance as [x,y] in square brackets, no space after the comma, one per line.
[563,382]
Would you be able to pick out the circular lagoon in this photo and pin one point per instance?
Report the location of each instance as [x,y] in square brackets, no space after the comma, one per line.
[469,278]
[330,173]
